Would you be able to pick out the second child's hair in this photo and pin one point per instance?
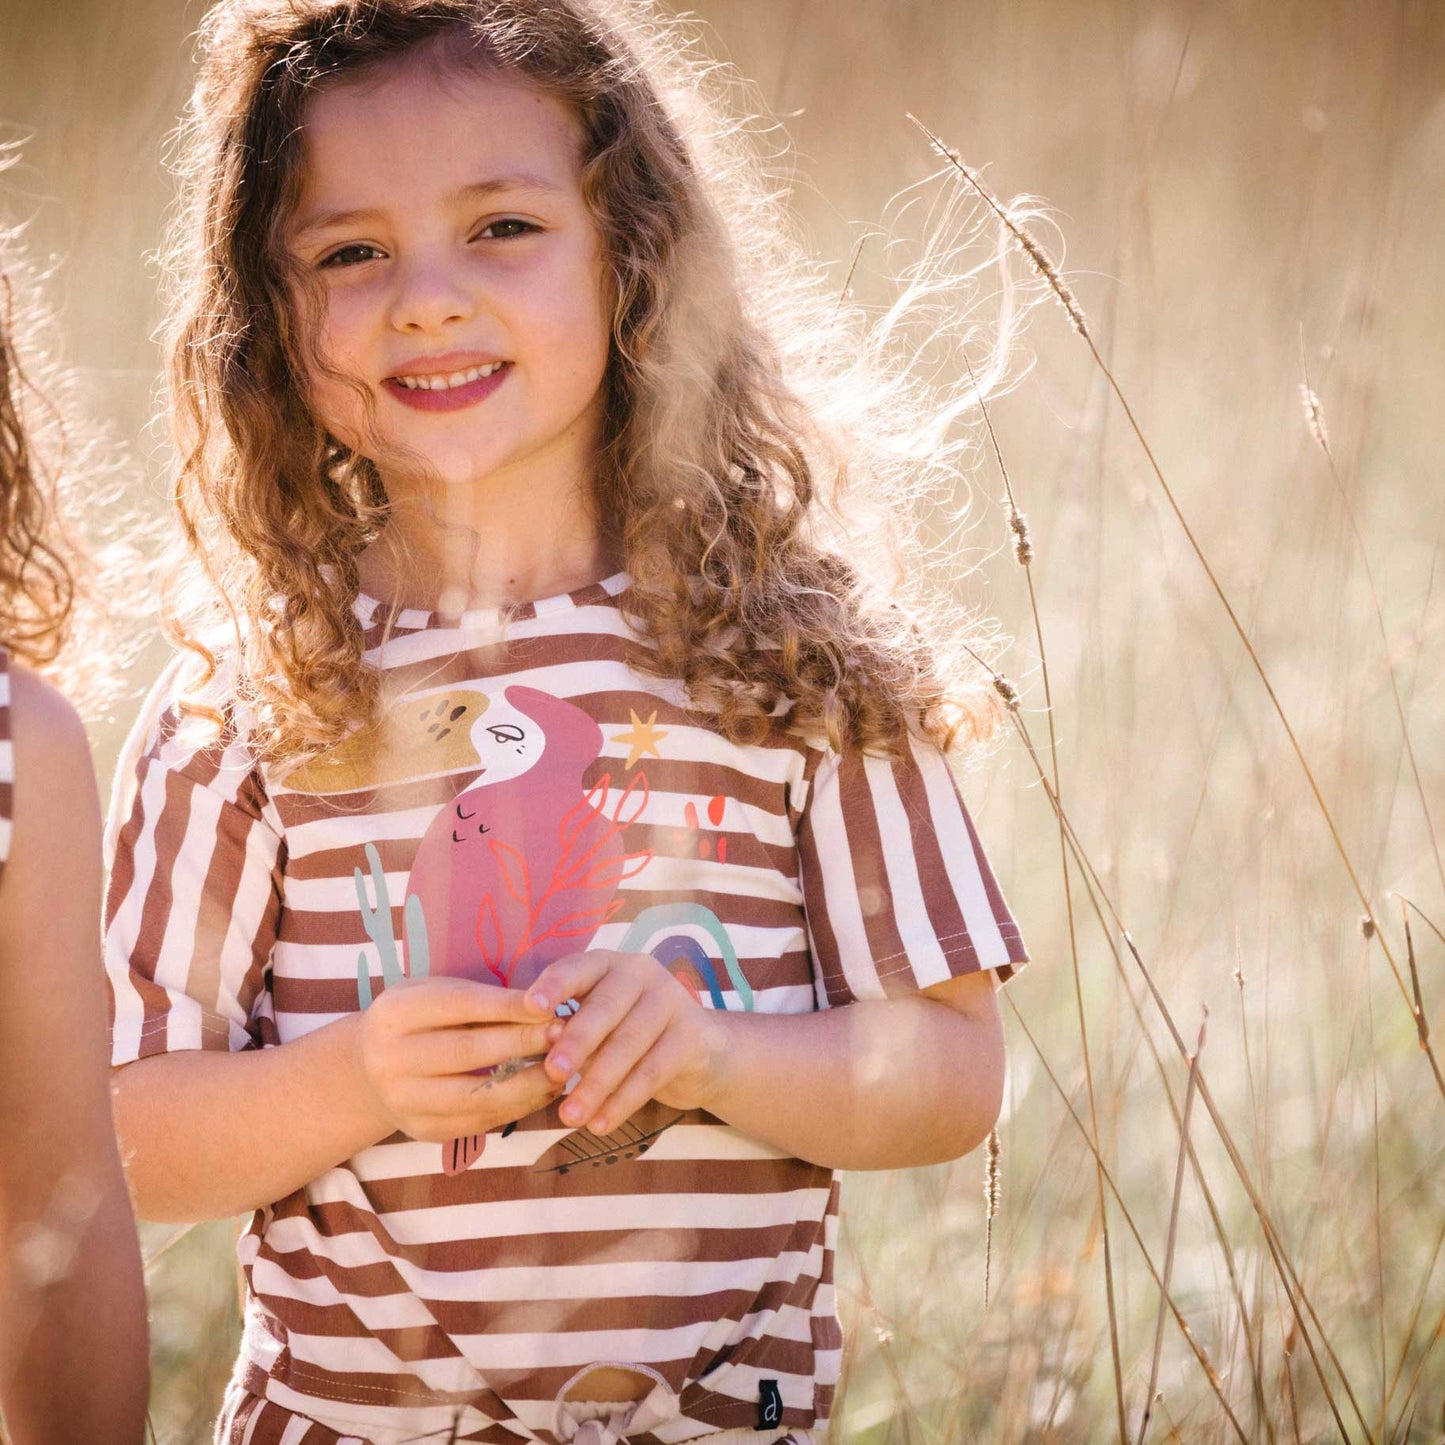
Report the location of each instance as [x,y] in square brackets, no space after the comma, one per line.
[74,555]
[37,584]
[751,422]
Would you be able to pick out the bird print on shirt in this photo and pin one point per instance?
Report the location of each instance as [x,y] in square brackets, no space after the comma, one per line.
[523,866]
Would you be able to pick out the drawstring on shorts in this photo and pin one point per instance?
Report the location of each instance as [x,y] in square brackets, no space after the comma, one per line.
[593,1422]
[589,1422]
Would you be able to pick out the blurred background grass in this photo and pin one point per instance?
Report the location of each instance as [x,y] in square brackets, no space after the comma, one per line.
[1245,190]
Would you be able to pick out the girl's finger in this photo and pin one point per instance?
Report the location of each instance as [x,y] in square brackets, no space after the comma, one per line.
[439,1003]
[600,1013]
[478,1046]
[617,1057]
[476,1103]
[649,1074]
[568,979]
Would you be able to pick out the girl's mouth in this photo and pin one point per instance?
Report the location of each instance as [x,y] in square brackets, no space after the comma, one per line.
[447,391]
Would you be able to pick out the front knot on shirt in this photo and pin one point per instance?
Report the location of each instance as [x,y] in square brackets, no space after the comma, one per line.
[598,1432]
[592,1422]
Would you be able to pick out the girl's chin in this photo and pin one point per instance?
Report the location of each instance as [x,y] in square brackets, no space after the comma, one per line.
[451,473]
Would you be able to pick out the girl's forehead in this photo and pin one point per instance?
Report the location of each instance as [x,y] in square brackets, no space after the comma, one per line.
[410,125]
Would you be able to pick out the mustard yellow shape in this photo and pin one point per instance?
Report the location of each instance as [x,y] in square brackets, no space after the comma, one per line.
[423,735]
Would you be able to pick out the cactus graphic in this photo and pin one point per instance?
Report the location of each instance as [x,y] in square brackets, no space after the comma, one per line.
[377,920]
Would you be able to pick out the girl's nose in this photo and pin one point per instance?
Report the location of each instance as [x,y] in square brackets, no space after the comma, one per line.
[430,296]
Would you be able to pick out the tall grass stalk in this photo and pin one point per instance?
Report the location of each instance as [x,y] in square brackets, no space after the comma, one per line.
[1211,1372]
[1023,553]
[1315,420]
[1148,1411]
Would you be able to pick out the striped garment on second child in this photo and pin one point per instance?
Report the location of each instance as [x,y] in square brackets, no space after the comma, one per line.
[7,763]
[529,794]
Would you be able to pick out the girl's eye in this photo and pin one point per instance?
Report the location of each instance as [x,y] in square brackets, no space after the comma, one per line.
[350,255]
[506,229]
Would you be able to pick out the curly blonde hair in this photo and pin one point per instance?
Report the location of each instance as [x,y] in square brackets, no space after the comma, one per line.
[37,583]
[765,446]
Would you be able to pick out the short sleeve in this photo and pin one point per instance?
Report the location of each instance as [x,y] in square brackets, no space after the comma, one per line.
[896,888]
[194,898]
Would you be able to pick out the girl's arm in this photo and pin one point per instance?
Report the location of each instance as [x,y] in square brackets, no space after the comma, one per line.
[73,1350]
[873,1085]
[208,1135]
[877,1084]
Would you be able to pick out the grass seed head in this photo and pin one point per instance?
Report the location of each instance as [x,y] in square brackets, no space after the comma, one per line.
[991,1187]
[1314,416]
[1028,243]
[1023,543]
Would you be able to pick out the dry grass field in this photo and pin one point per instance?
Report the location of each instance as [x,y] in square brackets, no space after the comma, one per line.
[1219,807]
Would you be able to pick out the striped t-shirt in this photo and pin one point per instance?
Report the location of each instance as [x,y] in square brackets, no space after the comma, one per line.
[528,794]
[7,763]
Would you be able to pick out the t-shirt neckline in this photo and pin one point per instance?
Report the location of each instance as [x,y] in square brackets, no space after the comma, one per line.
[373,612]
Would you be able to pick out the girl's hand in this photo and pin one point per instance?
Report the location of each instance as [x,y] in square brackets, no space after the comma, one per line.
[423,1042]
[638,1035]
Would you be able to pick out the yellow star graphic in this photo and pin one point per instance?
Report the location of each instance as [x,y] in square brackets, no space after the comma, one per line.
[641,738]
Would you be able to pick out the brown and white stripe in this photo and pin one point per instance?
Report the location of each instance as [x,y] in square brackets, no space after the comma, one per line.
[388,1299]
[7,762]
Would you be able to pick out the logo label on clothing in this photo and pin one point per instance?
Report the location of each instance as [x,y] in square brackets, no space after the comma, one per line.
[770,1405]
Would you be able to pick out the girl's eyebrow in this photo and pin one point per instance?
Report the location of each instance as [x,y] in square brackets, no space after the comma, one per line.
[478,190]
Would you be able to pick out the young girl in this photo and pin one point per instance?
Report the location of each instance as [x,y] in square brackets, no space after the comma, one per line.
[485,907]
[72,1300]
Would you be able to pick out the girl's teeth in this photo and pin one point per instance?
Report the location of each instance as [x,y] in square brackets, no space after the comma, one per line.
[445,383]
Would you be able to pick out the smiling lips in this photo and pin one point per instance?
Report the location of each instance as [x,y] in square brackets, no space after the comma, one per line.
[447,390]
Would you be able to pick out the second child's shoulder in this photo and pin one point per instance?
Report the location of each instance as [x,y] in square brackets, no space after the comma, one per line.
[53,806]
[49,740]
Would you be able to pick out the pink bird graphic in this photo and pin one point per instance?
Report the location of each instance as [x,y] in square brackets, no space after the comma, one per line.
[523,867]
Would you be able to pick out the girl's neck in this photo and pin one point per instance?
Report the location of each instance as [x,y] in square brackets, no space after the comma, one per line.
[452,553]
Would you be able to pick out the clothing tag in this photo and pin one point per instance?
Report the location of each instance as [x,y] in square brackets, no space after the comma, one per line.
[770,1405]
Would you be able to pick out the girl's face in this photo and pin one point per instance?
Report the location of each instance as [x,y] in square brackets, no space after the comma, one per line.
[462,286]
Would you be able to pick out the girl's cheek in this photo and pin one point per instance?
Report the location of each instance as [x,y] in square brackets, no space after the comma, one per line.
[347,311]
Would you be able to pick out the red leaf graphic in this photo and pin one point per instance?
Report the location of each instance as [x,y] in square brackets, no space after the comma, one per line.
[515,874]
[586,920]
[489,934]
[638,785]
[572,868]
[610,873]
[581,813]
